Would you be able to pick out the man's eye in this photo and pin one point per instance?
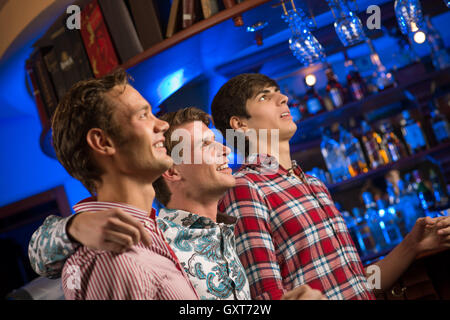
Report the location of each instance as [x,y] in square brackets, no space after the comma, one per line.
[143,115]
[262,98]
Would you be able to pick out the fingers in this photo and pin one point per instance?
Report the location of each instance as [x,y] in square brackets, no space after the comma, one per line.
[114,247]
[303,292]
[119,238]
[312,295]
[444,232]
[296,292]
[132,227]
[442,223]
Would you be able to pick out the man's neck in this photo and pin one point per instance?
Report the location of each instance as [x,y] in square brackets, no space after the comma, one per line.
[126,190]
[205,208]
[283,156]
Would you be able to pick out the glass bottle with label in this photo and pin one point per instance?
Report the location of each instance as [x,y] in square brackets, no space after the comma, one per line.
[409,202]
[439,54]
[392,143]
[440,197]
[355,82]
[373,221]
[412,133]
[396,206]
[372,142]
[424,193]
[335,159]
[313,101]
[334,88]
[367,242]
[353,152]
[389,223]
[440,125]
[352,227]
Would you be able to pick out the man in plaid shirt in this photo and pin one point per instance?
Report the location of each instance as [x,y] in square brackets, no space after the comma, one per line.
[289,231]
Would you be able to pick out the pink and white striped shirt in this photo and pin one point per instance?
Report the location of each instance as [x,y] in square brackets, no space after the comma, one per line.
[142,273]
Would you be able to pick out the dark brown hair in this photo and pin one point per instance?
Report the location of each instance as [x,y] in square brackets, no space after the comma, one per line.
[231,99]
[85,106]
[175,120]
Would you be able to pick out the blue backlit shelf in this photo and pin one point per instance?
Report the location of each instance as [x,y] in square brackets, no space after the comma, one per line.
[404,163]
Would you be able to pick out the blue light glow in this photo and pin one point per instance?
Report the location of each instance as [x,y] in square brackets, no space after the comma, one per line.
[170,84]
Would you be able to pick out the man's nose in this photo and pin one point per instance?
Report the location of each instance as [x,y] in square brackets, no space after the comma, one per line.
[281,98]
[161,126]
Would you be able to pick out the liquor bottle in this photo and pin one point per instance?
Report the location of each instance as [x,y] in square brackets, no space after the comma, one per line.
[440,125]
[372,142]
[373,221]
[424,193]
[409,202]
[366,241]
[382,78]
[294,105]
[440,197]
[313,101]
[392,143]
[413,134]
[335,159]
[439,54]
[395,205]
[335,90]
[353,152]
[355,83]
[389,223]
[352,227]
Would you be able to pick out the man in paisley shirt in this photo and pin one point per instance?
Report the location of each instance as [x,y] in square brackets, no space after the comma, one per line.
[202,239]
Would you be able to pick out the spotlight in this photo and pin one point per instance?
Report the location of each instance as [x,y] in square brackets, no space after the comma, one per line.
[310,80]
[420,37]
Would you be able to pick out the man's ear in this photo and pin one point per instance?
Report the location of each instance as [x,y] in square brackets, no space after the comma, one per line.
[100,142]
[238,123]
[172,174]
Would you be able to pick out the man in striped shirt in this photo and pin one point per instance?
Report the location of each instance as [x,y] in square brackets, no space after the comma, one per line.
[289,231]
[202,239]
[105,135]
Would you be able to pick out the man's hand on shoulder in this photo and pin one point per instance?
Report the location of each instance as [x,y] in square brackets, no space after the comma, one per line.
[111,230]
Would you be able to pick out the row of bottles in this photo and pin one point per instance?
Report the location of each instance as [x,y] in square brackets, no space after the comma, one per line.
[352,154]
[312,103]
[357,88]
[382,224]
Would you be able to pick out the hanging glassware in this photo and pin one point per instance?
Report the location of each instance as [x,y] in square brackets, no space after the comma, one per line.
[304,46]
[349,27]
[447,2]
[439,55]
[409,16]
[381,77]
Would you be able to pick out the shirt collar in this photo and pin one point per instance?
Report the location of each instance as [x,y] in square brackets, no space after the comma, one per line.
[267,164]
[191,220]
[91,204]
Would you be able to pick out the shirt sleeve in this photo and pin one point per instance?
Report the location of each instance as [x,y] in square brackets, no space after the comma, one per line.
[254,243]
[50,247]
[109,276]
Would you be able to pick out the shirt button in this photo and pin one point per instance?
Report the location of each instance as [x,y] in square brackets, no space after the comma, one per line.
[147,224]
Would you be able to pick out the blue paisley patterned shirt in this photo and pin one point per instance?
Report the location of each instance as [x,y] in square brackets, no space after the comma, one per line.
[207,252]
[204,248]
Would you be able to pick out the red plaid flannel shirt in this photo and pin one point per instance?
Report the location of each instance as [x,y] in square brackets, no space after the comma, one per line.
[290,233]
